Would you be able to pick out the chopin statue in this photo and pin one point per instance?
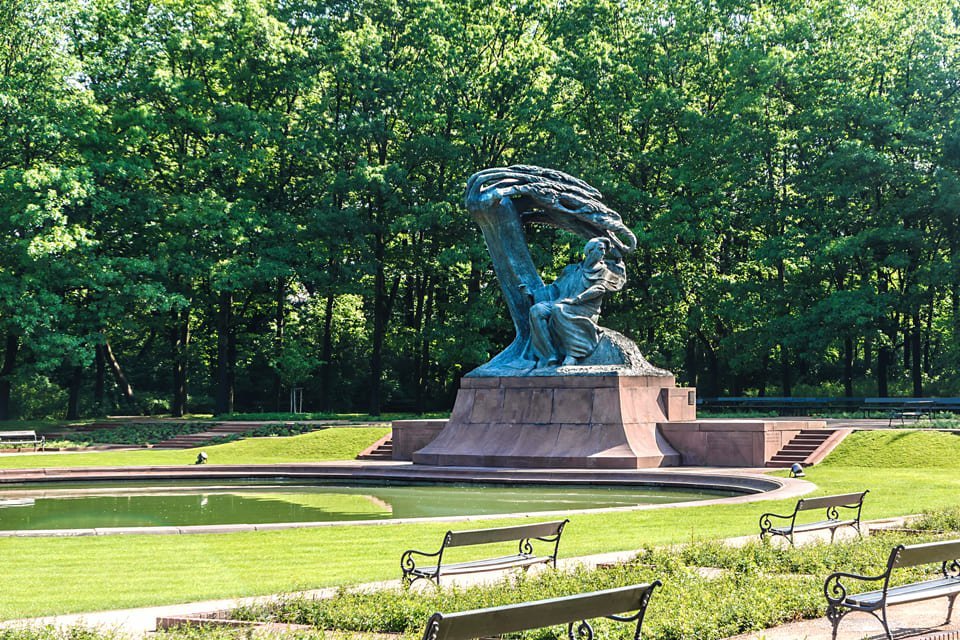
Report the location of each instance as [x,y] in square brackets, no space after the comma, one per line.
[557,324]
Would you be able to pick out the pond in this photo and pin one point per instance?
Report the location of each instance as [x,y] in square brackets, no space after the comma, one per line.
[62,506]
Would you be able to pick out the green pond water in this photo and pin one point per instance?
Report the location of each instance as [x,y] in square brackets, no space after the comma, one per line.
[96,506]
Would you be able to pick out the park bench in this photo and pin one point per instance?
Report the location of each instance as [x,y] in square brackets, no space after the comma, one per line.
[573,611]
[20,439]
[781,405]
[850,501]
[947,554]
[546,532]
[901,408]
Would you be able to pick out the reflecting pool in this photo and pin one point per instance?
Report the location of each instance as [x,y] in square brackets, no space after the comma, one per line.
[62,506]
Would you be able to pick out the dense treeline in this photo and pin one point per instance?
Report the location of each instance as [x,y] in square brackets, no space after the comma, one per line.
[206,203]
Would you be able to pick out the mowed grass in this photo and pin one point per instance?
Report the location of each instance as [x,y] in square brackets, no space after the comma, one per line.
[337,443]
[906,472]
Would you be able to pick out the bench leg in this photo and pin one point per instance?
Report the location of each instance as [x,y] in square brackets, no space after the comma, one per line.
[950,602]
[834,615]
[886,624]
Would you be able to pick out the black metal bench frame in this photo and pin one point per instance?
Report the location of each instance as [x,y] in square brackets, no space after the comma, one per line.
[840,603]
[547,532]
[832,504]
[574,611]
[19,439]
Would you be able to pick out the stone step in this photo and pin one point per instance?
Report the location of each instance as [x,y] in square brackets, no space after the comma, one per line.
[808,447]
[379,450]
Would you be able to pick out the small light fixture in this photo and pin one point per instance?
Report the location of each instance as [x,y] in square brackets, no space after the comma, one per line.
[201,458]
[796,470]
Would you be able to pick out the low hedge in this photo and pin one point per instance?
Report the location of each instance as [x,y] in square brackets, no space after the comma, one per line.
[744,589]
[137,433]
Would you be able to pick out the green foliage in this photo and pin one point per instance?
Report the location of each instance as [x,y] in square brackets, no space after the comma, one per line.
[239,199]
[938,520]
[139,434]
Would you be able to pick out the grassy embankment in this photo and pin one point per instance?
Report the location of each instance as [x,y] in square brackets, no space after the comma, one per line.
[907,472]
[326,444]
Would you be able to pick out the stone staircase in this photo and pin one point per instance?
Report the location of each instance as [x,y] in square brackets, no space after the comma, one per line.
[382,449]
[808,447]
[219,430]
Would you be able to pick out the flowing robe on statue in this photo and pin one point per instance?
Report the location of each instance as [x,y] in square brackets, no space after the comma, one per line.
[563,320]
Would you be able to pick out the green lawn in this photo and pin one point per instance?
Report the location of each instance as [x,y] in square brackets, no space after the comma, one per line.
[339,443]
[905,472]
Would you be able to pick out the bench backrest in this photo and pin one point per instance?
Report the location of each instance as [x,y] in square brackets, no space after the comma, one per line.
[915,554]
[18,435]
[503,534]
[825,502]
[482,623]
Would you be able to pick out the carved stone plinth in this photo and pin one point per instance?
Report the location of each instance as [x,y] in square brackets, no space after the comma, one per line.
[603,421]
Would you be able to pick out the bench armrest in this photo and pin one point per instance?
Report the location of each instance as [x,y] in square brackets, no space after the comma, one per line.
[766,525]
[835,591]
[408,561]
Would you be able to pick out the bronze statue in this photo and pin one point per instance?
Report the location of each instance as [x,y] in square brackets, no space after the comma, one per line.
[563,318]
[555,324]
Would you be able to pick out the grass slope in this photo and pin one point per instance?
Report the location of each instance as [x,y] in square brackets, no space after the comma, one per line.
[341,443]
[62,575]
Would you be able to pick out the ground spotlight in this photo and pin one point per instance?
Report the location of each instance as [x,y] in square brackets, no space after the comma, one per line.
[201,458]
[796,470]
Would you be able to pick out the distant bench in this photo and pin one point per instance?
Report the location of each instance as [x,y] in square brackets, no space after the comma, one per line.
[840,603]
[547,532]
[850,501]
[496,621]
[781,404]
[903,408]
[20,439]
[895,407]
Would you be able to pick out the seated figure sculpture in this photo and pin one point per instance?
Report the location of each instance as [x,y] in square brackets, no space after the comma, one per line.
[564,315]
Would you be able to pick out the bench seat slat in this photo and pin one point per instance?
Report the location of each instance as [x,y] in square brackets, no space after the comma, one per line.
[813,526]
[906,593]
[486,564]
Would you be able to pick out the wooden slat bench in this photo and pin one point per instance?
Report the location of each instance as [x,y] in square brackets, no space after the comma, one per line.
[947,554]
[849,501]
[573,611]
[20,439]
[546,532]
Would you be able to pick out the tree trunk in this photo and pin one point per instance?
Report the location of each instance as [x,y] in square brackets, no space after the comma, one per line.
[9,363]
[848,367]
[225,374]
[883,360]
[279,317]
[423,362]
[180,340]
[326,369]
[916,369]
[376,352]
[118,374]
[73,400]
[764,374]
[690,363]
[785,372]
[99,380]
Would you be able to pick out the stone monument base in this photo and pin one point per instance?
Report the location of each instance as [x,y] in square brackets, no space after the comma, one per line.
[602,422]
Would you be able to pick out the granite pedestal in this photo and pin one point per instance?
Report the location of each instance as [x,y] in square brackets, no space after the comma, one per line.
[603,422]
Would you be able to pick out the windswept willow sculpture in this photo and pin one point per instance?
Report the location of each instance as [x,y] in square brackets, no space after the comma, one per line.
[556,324]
